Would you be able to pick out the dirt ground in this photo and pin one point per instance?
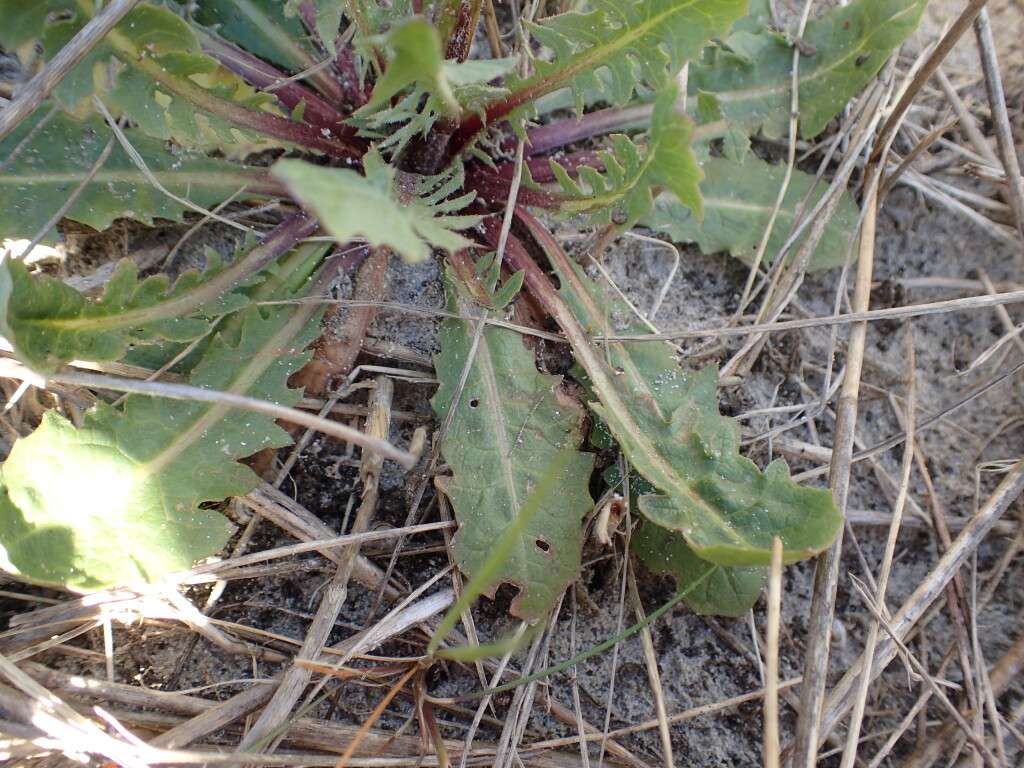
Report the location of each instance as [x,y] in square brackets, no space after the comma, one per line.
[965,373]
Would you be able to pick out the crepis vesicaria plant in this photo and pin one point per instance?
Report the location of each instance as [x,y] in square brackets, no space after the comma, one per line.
[400,136]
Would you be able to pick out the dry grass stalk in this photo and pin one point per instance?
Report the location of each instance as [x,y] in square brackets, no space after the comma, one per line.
[1000,118]
[771,685]
[297,676]
[34,93]
[841,697]
[653,673]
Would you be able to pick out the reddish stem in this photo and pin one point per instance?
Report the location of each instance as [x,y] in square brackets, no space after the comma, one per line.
[494,190]
[357,92]
[259,74]
[458,26]
[315,139]
[540,167]
[563,132]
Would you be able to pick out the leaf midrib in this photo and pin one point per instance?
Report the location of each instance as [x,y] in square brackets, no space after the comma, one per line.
[594,56]
[737,95]
[616,407]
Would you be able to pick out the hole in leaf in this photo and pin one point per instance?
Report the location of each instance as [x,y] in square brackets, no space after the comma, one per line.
[542,545]
[474,403]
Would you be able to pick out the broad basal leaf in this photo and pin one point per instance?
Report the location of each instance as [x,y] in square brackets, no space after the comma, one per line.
[738,202]
[667,424]
[351,205]
[39,177]
[49,323]
[118,500]
[510,425]
[730,590]
[751,75]
[637,41]
[634,171]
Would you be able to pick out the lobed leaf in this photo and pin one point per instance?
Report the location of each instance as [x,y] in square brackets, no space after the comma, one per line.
[728,590]
[667,424]
[636,41]
[738,201]
[624,191]
[429,86]
[127,504]
[510,426]
[40,176]
[750,76]
[151,43]
[351,205]
[415,57]
[48,323]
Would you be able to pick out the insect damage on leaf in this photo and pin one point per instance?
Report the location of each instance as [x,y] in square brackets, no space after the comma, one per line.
[511,423]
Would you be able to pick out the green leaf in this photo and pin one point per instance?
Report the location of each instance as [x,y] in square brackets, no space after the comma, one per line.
[667,424]
[637,41]
[503,297]
[736,146]
[738,201]
[351,205]
[151,43]
[624,191]
[434,87]
[415,57]
[259,27]
[752,73]
[759,15]
[49,323]
[377,16]
[39,177]
[728,591]
[24,22]
[510,426]
[118,499]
